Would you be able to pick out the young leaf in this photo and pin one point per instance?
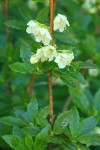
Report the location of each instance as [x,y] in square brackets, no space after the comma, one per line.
[29,142]
[41,139]
[31,130]
[61,122]
[21,114]
[89,139]
[15,142]
[82,147]
[18,131]
[44,112]
[22,67]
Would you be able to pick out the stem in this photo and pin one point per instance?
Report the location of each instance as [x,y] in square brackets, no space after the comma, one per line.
[51,17]
[67,103]
[7,37]
[31,85]
[7,18]
[50,98]
[50,72]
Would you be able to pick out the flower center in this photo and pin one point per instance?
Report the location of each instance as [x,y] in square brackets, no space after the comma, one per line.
[62,59]
[49,52]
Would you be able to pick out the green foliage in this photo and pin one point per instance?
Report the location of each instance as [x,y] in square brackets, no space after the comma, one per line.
[15,24]
[22,67]
[24,121]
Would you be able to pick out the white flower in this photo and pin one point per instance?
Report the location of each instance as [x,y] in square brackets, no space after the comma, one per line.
[50,52]
[46,53]
[31,27]
[41,34]
[33,59]
[40,54]
[60,23]
[32,5]
[64,59]
[90,6]
[94,72]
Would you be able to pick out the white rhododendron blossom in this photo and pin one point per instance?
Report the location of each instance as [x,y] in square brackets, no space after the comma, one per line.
[33,59]
[60,23]
[43,54]
[40,54]
[94,72]
[50,52]
[31,27]
[41,34]
[64,59]
[90,6]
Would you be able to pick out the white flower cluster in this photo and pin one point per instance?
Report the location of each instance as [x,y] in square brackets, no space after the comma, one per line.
[91,6]
[60,23]
[41,34]
[49,53]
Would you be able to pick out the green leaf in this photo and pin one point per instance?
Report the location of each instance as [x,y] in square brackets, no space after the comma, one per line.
[41,121]
[61,122]
[68,145]
[87,125]
[21,114]
[80,99]
[44,12]
[74,122]
[82,147]
[29,142]
[88,64]
[79,77]
[16,24]
[22,67]
[46,66]
[32,109]
[55,140]
[25,54]
[96,101]
[44,112]
[41,139]
[31,129]
[89,139]
[69,81]
[15,142]
[41,1]
[9,120]
[18,131]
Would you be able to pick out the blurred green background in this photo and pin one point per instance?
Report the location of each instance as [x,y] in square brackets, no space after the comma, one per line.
[83,35]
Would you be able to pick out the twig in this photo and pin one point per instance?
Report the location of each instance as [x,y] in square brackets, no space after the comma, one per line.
[50,98]
[67,103]
[50,72]
[7,35]
[31,85]
[7,18]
